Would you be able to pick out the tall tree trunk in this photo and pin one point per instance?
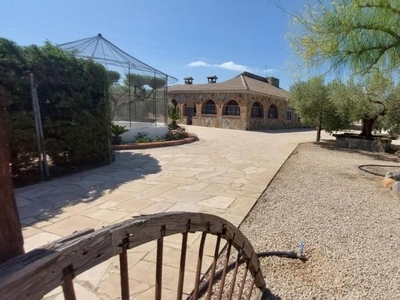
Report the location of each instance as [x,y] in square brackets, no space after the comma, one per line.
[11,240]
[318,133]
[319,128]
[367,124]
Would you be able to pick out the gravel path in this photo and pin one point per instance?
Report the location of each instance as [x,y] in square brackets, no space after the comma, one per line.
[350,225]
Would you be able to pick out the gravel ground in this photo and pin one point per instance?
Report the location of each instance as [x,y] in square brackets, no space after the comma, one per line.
[334,201]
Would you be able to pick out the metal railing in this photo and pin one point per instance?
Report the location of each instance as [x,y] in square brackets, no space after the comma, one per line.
[33,275]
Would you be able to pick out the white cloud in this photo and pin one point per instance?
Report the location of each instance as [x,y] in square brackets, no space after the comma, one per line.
[199,63]
[229,65]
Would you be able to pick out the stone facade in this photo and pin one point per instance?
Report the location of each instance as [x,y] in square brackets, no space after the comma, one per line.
[372,144]
[190,100]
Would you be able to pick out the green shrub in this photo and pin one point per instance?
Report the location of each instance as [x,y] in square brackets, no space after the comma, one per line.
[176,135]
[173,114]
[158,139]
[73,100]
[22,142]
[118,130]
[142,137]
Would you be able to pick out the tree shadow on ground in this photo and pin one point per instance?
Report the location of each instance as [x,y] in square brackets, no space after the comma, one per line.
[293,130]
[46,200]
[387,156]
[268,295]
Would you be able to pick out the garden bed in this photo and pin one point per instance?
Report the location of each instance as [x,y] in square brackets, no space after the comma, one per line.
[367,143]
[134,146]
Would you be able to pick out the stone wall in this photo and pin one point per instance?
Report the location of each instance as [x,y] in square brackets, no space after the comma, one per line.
[242,122]
[205,121]
[271,123]
[374,144]
[233,122]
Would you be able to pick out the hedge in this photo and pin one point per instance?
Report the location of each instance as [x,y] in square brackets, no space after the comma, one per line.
[74,104]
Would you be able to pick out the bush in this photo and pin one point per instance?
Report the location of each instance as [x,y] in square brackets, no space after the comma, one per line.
[117,130]
[142,137]
[173,114]
[22,142]
[178,134]
[73,101]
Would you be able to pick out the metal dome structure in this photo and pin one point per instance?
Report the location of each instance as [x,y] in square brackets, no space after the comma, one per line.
[138,91]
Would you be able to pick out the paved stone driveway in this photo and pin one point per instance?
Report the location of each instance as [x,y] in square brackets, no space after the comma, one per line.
[224,174]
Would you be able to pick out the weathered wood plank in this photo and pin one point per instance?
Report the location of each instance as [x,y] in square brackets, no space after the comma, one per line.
[38,272]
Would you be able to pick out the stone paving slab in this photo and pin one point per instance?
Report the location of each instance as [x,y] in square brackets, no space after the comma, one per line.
[224,174]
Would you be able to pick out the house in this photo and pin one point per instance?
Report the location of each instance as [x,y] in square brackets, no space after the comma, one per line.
[245,102]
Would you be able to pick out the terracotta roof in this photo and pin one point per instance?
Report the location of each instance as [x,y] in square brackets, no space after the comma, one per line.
[244,82]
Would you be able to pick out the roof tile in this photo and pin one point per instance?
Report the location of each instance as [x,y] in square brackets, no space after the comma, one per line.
[240,83]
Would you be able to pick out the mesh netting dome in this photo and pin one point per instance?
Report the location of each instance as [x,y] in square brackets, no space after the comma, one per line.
[138,91]
[103,51]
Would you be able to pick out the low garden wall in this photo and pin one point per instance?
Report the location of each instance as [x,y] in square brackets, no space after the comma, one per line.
[373,144]
[136,146]
[153,130]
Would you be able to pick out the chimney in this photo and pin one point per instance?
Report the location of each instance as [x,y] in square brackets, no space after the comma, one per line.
[273,81]
[212,79]
[188,80]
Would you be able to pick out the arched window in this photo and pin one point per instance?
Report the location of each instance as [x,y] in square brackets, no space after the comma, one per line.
[209,108]
[257,110]
[232,108]
[289,114]
[273,112]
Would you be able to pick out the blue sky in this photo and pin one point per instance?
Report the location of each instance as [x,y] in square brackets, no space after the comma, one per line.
[179,37]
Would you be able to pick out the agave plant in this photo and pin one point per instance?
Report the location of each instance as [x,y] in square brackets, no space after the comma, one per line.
[117,130]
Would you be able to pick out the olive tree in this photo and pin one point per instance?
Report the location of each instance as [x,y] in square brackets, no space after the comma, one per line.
[316,108]
[365,98]
[391,122]
[360,35]
[137,90]
[372,99]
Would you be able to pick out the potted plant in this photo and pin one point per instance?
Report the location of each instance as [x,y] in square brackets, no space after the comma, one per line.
[173,114]
[117,130]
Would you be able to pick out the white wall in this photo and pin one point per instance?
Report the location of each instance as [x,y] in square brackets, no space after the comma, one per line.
[152,129]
